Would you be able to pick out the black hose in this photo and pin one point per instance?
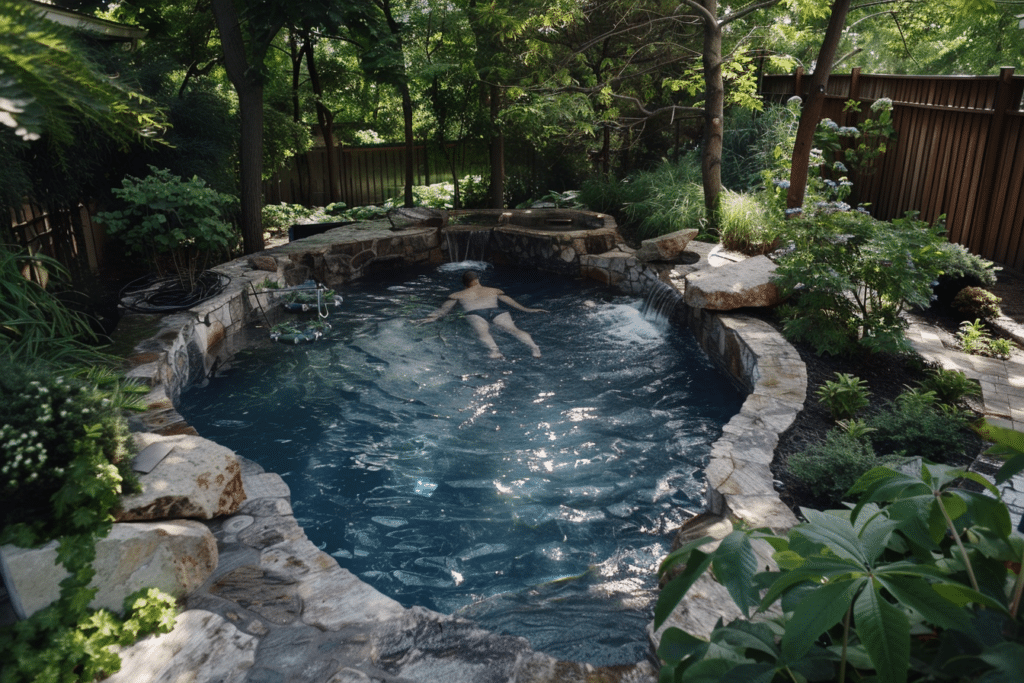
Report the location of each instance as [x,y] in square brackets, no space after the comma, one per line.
[151,294]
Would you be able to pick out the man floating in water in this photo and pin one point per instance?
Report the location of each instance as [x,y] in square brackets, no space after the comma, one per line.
[481,306]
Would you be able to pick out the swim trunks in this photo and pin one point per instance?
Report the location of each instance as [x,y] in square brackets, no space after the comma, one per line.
[488,314]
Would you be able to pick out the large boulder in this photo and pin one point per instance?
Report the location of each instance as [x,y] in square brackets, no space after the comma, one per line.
[197,479]
[176,557]
[666,247]
[736,285]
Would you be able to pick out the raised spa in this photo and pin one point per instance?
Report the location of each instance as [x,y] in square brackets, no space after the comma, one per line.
[534,495]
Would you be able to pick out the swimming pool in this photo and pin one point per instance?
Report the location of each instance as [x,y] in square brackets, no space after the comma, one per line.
[534,495]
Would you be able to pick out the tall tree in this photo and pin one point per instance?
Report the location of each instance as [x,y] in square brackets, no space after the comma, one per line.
[811,113]
[244,63]
[714,94]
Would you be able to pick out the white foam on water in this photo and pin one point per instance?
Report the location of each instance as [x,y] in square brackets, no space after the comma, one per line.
[626,326]
[459,266]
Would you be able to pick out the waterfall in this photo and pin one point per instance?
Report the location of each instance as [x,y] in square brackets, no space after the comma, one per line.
[467,245]
[660,302]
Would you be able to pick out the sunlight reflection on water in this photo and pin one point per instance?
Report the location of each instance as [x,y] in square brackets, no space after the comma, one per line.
[534,495]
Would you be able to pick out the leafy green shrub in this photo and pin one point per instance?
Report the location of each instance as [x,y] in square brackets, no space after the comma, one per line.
[828,469]
[845,396]
[63,463]
[914,583]
[912,426]
[280,217]
[747,224]
[975,302]
[49,646]
[1001,348]
[851,276]
[163,217]
[974,338]
[950,386]
[474,191]
[66,450]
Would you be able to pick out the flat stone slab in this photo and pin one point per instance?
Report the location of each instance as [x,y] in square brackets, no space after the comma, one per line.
[666,247]
[203,646]
[736,285]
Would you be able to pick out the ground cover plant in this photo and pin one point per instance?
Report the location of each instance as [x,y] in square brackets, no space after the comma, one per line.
[64,461]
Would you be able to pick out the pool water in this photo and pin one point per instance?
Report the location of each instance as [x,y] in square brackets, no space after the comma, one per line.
[534,495]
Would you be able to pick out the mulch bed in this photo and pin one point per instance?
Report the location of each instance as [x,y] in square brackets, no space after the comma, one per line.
[887,376]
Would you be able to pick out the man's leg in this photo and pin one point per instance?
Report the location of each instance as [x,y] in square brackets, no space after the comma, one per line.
[504,322]
[483,332]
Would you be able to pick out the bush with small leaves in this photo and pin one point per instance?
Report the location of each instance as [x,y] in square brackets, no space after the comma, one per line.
[63,447]
[912,425]
[975,302]
[828,469]
[961,268]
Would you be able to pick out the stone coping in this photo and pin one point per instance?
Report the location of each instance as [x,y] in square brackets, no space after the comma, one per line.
[271,580]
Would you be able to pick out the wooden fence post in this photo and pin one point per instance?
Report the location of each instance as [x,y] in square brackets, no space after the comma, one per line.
[983,234]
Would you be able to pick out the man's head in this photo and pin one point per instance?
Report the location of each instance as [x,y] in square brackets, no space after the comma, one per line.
[469,277]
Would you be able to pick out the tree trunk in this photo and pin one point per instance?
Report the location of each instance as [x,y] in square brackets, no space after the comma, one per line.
[714,112]
[497,152]
[811,113]
[325,119]
[250,105]
[410,143]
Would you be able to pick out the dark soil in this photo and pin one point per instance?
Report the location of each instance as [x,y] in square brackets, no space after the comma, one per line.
[887,376]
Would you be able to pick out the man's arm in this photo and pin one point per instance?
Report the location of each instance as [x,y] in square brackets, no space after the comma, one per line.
[439,313]
[505,298]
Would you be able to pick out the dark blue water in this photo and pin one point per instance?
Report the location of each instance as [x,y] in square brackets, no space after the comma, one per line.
[534,495]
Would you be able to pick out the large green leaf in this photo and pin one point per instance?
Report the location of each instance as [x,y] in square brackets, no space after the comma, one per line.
[745,635]
[734,566]
[919,595]
[1007,662]
[812,571]
[675,589]
[681,554]
[884,629]
[749,673]
[833,532]
[989,512]
[816,613]
[961,595]
[676,645]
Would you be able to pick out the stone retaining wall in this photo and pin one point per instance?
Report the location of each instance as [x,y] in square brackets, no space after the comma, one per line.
[183,349]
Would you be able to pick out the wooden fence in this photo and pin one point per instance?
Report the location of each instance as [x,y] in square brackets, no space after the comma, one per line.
[67,235]
[367,175]
[959,151]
